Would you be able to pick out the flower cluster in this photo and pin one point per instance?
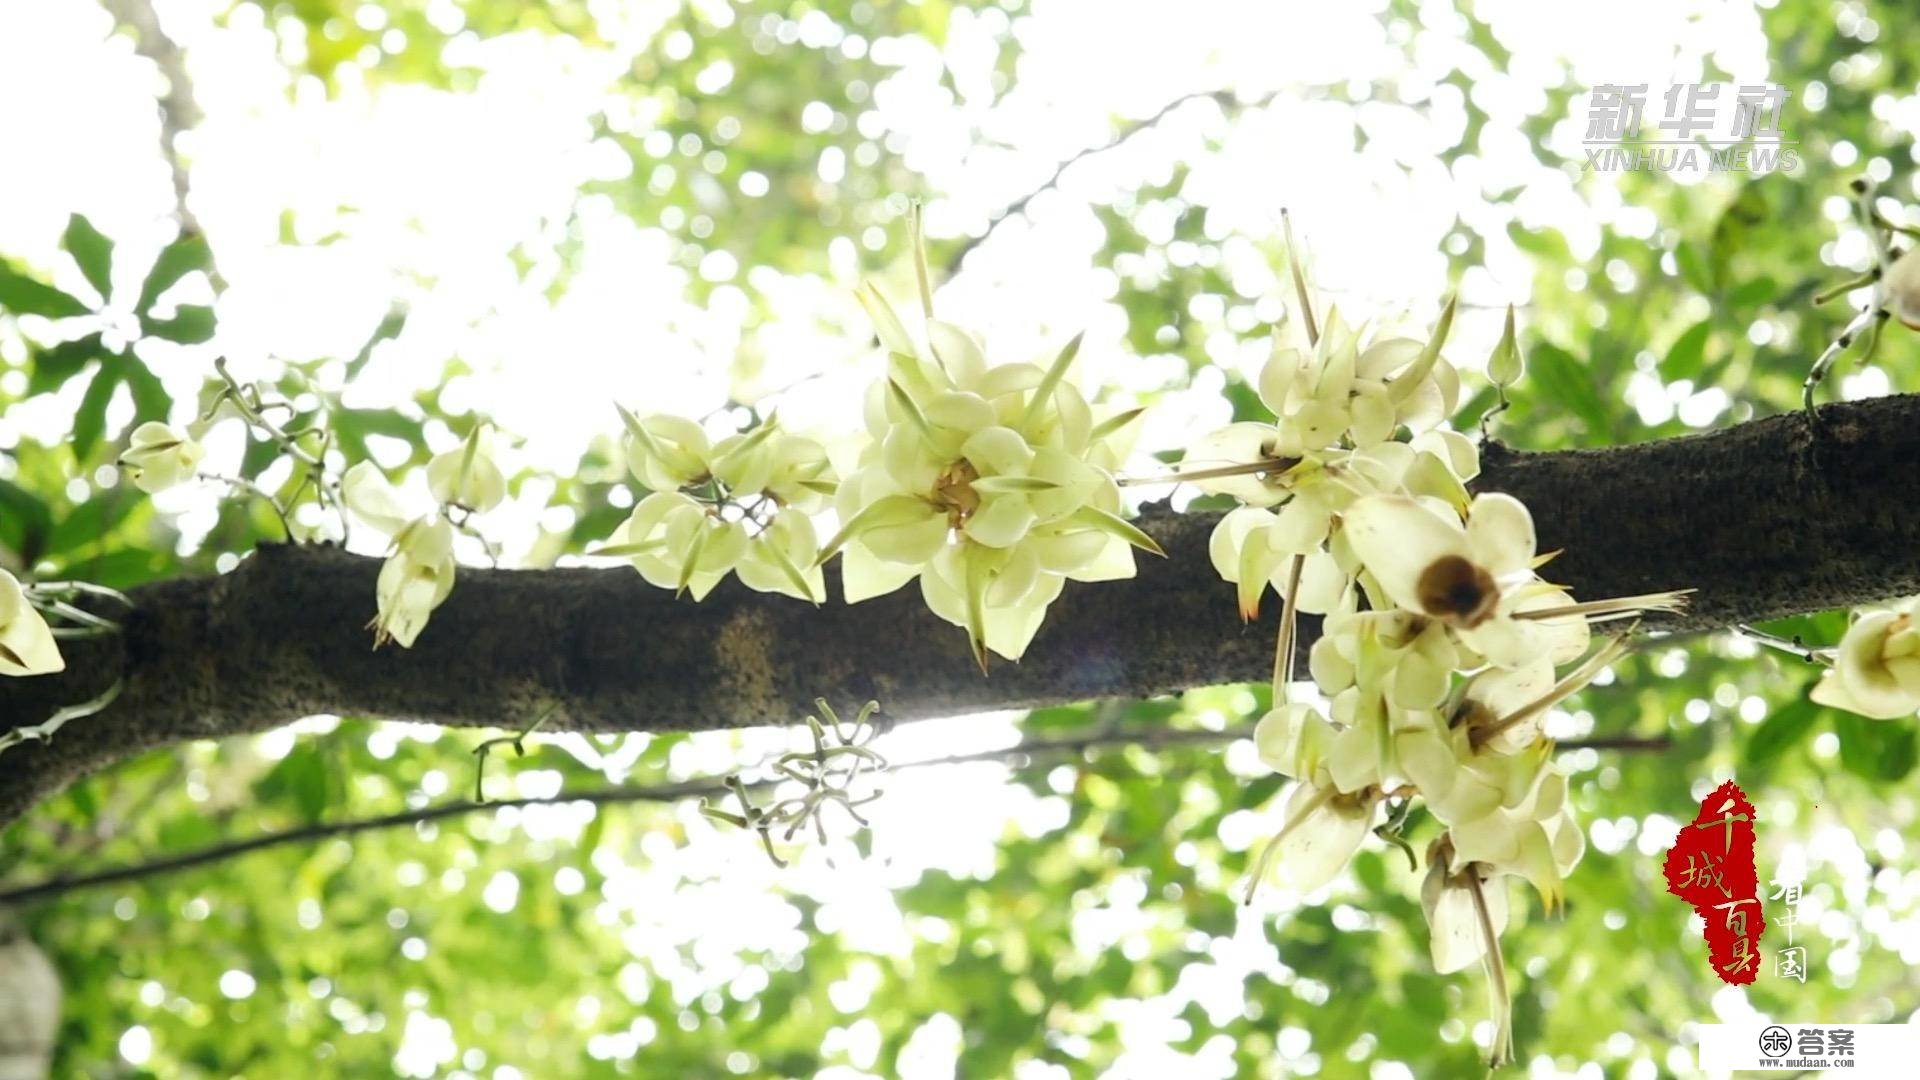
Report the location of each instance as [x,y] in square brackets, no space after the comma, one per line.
[741,505]
[1441,646]
[1876,668]
[991,484]
[419,570]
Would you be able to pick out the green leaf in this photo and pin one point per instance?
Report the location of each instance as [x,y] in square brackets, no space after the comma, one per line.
[150,398]
[1879,750]
[54,365]
[92,520]
[1567,383]
[1733,233]
[25,522]
[122,569]
[1689,352]
[352,426]
[22,295]
[1693,266]
[301,778]
[389,328]
[1747,294]
[1786,728]
[90,421]
[177,260]
[1246,403]
[93,251]
[190,325]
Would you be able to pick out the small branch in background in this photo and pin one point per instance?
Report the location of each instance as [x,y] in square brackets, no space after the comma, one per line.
[1027,753]
[1019,205]
[519,744]
[179,112]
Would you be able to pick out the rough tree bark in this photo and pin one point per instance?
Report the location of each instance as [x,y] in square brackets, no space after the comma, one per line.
[1769,518]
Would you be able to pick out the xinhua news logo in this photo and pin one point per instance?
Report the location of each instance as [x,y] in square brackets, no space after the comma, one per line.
[1688,128]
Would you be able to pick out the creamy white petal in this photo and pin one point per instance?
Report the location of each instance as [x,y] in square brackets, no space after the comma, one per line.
[372,499]
[27,645]
[1398,539]
[1500,533]
[1321,843]
[864,575]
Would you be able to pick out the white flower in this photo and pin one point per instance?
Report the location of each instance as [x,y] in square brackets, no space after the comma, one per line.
[1902,287]
[783,558]
[1535,838]
[1347,386]
[27,646]
[367,492]
[418,573]
[1458,937]
[1466,911]
[1293,739]
[752,489]
[466,476]
[667,452]
[159,456]
[1458,782]
[1256,549]
[1876,669]
[1323,830]
[1425,561]
[981,481]
[1407,659]
[1247,460]
[677,543]
[415,579]
[791,470]
[1013,601]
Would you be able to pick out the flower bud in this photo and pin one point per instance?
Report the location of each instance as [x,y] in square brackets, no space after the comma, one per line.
[159,456]
[466,476]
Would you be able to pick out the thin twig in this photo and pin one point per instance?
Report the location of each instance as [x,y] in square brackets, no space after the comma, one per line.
[179,112]
[242,484]
[1246,468]
[1017,756]
[1791,646]
[519,744]
[1019,205]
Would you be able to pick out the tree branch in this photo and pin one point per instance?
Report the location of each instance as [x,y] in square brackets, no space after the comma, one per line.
[179,112]
[1770,518]
[1027,752]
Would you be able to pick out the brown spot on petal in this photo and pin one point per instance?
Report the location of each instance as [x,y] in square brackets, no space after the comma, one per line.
[1457,590]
